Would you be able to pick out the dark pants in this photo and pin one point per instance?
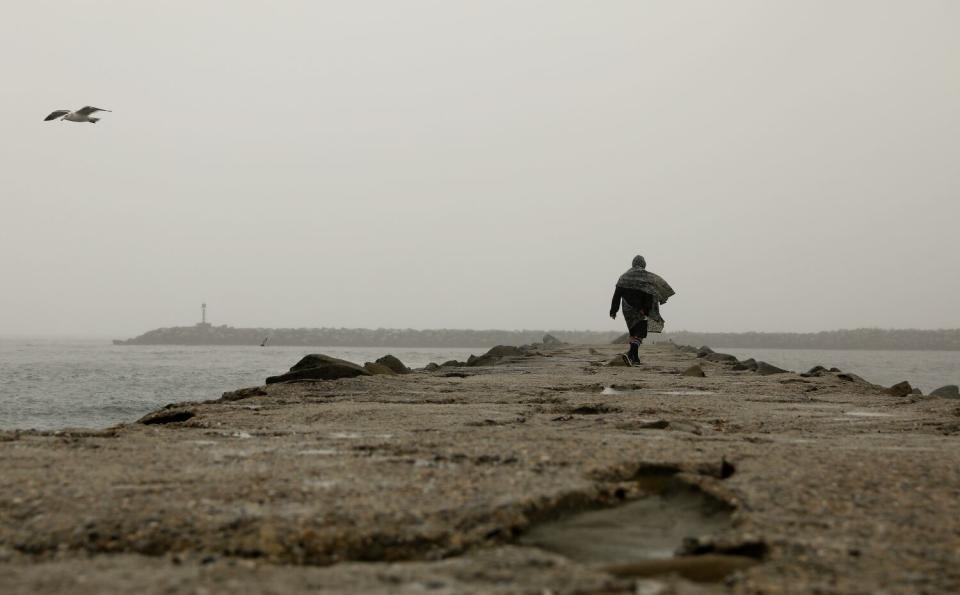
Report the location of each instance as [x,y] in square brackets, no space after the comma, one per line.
[639,330]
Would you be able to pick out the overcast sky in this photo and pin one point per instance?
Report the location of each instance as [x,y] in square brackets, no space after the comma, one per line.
[786,166]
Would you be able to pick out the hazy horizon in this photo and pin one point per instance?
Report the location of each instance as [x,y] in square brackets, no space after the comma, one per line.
[787,167]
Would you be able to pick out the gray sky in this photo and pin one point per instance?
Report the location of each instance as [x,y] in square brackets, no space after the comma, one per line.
[496,164]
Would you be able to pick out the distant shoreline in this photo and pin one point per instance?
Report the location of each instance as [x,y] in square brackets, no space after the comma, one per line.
[854,339]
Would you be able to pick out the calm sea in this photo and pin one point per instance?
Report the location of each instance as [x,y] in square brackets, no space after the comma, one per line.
[51,384]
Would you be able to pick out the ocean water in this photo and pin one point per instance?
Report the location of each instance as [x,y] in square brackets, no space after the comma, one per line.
[51,384]
[926,370]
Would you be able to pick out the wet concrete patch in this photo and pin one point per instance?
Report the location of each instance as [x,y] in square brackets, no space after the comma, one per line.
[654,527]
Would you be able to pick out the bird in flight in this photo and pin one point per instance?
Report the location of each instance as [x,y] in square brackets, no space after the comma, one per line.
[81,115]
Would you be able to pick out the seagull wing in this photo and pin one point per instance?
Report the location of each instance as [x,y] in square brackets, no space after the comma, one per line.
[57,114]
[89,109]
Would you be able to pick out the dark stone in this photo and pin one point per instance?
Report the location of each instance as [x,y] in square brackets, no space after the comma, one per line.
[378,369]
[166,416]
[900,389]
[836,370]
[696,371]
[452,364]
[317,366]
[244,393]
[747,364]
[505,351]
[724,358]
[850,377]
[549,339]
[704,351]
[431,367]
[950,391]
[817,371]
[687,348]
[394,364]
[315,360]
[765,369]
[916,391]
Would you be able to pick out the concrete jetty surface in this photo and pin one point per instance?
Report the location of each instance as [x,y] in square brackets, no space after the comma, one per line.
[471,480]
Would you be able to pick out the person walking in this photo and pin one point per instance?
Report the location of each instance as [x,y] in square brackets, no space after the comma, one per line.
[641,293]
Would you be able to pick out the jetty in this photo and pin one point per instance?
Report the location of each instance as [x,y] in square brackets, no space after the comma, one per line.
[541,470]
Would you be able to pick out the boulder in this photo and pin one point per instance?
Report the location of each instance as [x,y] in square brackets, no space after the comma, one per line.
[850,377]
[378,369]
[724,358]
[549,339]
[747,364]
[817,371]
[687,348]
[167,415]
[452,364]
[317,366]
[315,360]
[505,351]
[431,367]
[950,391]
[900,389]
[394,364]
[695,371]
[704,351]
[765,369]
[495,354]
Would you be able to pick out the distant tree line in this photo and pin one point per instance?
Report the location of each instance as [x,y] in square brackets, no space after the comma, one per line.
[863,338]
[206,334]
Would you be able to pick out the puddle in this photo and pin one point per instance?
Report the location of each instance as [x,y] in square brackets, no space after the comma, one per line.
[652,528]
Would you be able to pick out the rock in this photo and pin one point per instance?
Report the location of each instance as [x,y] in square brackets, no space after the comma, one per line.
[315,360]
[378,369]
[166,416]
[916,391]
[619,361]
[817,371]
[696,371]
[504,351]
[452,364]
[950,391]
[704,351]
[850,377]
[747,364]
[549,339]
[687,348]
[765,369]
[431,367]
[317,366]
[244,393]
[394,364]
[836,370]
[900,389]
[724,358]
[495,354]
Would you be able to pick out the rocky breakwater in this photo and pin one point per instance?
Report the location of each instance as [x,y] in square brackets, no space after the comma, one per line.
[526,471]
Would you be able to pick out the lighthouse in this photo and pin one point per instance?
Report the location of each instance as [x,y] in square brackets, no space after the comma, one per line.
[203,314]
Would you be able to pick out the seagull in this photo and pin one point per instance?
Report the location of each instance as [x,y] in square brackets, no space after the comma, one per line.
[81,115]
